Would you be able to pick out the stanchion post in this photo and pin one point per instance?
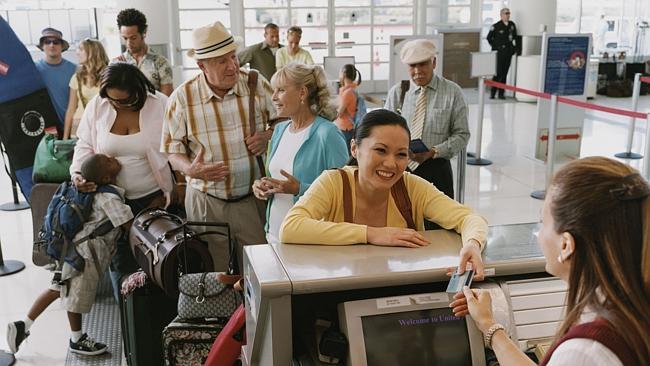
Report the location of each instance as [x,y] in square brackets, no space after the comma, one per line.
[646,162]
[460,182]
[476,159]
[628,154]
[550,156]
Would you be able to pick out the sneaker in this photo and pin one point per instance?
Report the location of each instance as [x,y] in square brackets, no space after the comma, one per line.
[87,346]
[16,335]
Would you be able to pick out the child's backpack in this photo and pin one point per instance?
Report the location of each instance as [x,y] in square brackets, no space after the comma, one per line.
[361,109]
[66,214]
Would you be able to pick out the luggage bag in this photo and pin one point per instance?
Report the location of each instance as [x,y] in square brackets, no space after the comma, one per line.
[188,344]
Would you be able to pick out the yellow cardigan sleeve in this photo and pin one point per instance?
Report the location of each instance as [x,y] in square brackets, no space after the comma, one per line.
[430,203]
[317,217]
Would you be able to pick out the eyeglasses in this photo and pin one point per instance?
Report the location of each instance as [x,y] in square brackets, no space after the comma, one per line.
[52,41]
[507,13]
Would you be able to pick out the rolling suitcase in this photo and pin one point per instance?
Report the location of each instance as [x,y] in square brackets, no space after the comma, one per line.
[143,314]
[188,344]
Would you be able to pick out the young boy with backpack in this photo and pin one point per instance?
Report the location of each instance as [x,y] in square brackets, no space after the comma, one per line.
[86,254]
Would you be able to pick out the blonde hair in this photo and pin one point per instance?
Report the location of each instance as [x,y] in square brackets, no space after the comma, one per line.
[96,60]
[311,77]
[604,205]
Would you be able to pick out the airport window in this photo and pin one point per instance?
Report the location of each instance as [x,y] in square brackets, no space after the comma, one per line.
[75,24]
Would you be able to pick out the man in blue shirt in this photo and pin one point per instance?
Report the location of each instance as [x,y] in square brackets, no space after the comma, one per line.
[55,70]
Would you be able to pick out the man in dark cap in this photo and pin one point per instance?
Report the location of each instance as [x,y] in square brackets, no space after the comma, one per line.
[503,39]
[55,70]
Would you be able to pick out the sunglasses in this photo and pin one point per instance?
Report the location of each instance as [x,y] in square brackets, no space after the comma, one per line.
[126,102]
[52,41]
[507,13]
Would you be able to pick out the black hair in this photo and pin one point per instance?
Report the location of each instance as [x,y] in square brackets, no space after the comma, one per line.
[352,73]
[127,77]
[93,169]
[376,118]
[130,17]
[271,26]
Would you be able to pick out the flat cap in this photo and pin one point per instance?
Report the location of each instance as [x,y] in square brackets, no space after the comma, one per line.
[417,50]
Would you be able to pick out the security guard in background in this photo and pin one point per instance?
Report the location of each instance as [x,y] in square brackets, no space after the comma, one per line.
[503,39]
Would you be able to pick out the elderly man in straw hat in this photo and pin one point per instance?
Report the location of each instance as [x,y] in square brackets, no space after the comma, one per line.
[55,70]
[436,112]
[207,134]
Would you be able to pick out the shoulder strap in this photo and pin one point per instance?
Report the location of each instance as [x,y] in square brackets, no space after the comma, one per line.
[406,84]
[348,216]
[252,89]
[80,92]
[403,202]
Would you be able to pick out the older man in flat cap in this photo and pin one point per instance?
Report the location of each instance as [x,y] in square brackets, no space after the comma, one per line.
[436,112]
[211,139]
[55,70]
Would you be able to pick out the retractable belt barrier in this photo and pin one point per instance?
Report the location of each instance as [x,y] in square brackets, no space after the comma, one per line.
[553,122]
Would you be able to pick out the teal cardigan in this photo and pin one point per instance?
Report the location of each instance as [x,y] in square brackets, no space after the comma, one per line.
[323,149]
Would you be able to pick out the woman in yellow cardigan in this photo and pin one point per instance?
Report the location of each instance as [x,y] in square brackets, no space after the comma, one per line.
[380,151]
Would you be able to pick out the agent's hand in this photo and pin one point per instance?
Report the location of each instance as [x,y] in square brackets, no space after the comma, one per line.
[395,237]
[477,303]
[215,172]
[82,185]
[289,186]
[471,253]
[421,157]
[257,143]
[261,189]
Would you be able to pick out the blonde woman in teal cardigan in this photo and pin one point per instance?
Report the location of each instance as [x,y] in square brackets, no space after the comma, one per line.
[302,148]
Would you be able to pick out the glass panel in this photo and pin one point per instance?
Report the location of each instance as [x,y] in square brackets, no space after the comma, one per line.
[382,33]
[360,53]
[364,69]
[19,22]
[439,3]
[352,16]
[567,20]
[190,73]
[310,35]
[309,17]
[458,14]
[460,2]
[261,17]
[39,19]
[381,53]
[434,16]
[317,54]
[380,71]
[201,4]
[188,62]
[346,3]
[80,24]
[189,19]
[394,16]
[265,3]
[309,3]
[186,39]
[393,2]
[52,4]
[353,33]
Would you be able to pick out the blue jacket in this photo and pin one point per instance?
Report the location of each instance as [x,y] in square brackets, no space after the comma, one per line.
[323,149]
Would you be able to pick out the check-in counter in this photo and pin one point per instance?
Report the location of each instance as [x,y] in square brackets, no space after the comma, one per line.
[282,280]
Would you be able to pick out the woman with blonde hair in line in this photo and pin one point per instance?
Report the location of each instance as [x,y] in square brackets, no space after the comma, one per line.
[595,236]
[84,84]
[301,148]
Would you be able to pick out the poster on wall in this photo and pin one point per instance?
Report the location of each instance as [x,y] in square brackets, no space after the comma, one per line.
[566,65]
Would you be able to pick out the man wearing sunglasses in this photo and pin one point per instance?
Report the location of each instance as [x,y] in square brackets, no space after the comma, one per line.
[503,39]
[55,70]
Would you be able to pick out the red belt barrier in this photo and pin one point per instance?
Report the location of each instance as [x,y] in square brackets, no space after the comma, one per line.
[645,79]
[622,112]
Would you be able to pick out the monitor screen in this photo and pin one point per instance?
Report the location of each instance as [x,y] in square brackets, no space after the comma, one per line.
[420,337]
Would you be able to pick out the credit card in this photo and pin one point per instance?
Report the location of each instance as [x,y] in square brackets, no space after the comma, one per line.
[457,281]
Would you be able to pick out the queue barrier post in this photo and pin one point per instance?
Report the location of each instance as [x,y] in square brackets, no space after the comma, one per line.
[550,156]
[460,181]
[476,159]
[628,154]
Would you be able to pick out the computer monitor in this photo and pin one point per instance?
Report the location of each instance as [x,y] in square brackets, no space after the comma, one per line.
[409,330]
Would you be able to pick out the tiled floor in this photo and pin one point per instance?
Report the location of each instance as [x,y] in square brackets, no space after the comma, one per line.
[500,192]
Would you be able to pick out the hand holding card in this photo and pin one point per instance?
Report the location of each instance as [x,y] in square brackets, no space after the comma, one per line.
[457,281]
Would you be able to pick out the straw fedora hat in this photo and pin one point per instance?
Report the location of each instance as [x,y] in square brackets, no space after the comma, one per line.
[211,41]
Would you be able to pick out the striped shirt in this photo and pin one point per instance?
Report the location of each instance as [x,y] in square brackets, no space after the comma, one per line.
[445,123]
[196,117]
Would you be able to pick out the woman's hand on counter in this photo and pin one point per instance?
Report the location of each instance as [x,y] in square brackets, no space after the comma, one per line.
[477,303]
[395,237]
[471,253]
